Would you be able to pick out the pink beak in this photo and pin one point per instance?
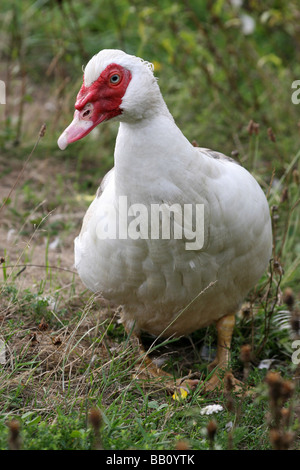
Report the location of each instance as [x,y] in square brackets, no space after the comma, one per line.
[76,130]
[83,122]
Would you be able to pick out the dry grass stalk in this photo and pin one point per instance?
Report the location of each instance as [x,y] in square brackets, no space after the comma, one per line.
[95,419]
[182,445]
[14,440]
[211,432]
[246,359]
[280,391]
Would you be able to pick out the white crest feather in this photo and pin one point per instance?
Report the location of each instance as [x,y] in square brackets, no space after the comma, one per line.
[100,61]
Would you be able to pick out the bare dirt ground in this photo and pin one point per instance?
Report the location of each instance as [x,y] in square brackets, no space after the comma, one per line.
[22,240]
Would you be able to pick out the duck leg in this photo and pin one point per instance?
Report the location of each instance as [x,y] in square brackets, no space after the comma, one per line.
[225,326]
[146,368]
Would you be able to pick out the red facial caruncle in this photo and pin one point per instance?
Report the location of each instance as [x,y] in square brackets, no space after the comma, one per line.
[96,103]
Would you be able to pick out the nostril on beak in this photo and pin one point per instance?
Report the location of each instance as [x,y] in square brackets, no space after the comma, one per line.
[87,111]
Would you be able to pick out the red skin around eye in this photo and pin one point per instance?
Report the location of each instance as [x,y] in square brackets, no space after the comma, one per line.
[105,95]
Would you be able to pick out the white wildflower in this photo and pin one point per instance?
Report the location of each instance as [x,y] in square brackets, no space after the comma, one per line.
[210,409]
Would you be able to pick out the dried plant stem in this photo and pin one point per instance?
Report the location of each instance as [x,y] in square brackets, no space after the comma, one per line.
[287,224]
[269,310]
[43,266]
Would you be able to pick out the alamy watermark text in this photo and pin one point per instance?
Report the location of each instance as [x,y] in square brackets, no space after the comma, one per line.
[154,221]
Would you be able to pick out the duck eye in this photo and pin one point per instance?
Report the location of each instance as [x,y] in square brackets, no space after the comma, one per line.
[115,78]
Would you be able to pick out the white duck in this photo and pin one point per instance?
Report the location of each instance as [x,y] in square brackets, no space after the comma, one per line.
[165,285]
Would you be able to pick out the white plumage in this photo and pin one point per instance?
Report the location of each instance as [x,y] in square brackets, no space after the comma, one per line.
[163,287]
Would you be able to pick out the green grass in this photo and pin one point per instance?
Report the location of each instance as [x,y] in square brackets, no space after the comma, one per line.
[155,425]
[80,359]
[66,352]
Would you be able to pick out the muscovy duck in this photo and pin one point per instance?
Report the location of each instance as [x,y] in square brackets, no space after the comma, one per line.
[176,234]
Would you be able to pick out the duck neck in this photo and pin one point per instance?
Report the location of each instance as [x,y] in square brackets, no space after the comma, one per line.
[148,152]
